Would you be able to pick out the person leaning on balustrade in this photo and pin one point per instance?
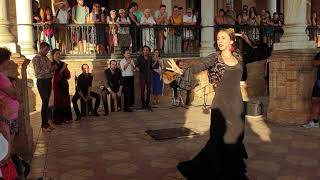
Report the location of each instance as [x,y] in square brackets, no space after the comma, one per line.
[79,13]
[124,37]
[98,32]
[63,17]
[148,38]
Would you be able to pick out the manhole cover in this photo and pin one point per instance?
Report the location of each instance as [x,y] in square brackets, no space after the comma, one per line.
[170,133]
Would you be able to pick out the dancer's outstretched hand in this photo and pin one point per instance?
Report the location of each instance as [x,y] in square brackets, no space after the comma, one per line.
[173,67]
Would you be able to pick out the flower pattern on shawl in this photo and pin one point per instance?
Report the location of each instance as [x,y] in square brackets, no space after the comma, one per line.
[215,72]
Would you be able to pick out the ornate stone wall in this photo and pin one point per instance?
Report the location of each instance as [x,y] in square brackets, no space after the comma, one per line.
[291,81]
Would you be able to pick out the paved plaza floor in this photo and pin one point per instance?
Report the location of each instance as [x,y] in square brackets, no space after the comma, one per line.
[116,147]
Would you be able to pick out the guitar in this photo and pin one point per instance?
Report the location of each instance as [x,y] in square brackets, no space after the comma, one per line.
[171,72]
[168,76]
[185,79]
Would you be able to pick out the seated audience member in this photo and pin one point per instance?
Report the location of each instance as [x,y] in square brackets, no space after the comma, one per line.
[83,90]
[113,87]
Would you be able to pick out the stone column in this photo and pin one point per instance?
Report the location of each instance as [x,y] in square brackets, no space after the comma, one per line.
[18,69]
[168,3]
[6,38]
[25,29]
[272,6]
[207,33]
[295,37]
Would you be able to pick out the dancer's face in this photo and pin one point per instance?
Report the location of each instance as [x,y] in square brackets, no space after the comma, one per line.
[224,41]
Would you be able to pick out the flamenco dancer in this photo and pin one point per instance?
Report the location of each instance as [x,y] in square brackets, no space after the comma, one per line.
[223,156]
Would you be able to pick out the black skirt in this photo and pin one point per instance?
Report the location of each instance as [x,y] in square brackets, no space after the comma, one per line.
[217,160]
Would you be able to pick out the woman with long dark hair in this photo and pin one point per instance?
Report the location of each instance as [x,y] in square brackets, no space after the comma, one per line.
[223,156]
[61,102]
[135,31]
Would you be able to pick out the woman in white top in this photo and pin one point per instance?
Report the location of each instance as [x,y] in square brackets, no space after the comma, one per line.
[148,32]
[124,37]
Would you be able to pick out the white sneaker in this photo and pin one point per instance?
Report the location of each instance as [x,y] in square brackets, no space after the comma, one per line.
[311,124]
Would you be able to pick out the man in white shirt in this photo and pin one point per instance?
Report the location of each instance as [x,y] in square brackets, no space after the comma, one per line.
[190,20]
[127,68]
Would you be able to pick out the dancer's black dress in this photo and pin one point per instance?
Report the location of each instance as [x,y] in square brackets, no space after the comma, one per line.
[223,156]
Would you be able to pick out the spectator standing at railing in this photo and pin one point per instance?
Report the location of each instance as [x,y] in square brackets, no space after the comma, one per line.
[243,18]
[231,15]
[124,38]
[220,18]
[98,33]
[63,16]
[48,19]
[35,19]
[267,31]
[254,20]
[135,31]
[313,25]
[137,13]
[36,12]
[281,17]
[80,12]
[148,38]
[161,17]
[278,31]
[188,37]
[175,39]
[112,31]
[181,11]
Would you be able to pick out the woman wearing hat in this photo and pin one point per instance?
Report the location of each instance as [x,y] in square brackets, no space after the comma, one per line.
[124,38]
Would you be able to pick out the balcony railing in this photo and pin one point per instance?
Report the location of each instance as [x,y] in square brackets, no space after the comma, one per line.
[103,40]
